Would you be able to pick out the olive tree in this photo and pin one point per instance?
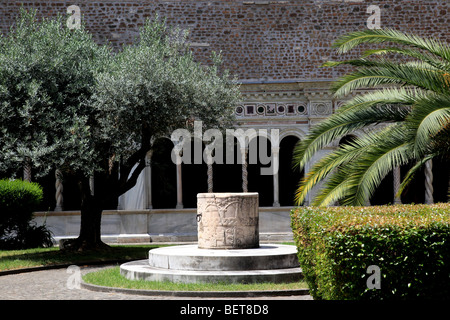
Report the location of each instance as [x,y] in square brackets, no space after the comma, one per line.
[47,76]
[71,104]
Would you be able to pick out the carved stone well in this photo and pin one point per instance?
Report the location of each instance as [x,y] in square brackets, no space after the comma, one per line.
[228,248]
[228,220]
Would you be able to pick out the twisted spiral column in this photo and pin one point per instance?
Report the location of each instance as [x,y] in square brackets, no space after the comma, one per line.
[429,182]
[27,173]
[59,191]
[244,170]
[210,178]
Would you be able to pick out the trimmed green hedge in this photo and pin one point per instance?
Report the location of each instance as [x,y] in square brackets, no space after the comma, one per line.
[18,200]
[407,245]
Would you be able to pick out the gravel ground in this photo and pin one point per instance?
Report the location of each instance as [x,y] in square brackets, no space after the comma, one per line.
[61,284]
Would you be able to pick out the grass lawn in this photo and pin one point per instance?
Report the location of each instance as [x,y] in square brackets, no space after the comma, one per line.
[111,277]
[17,259]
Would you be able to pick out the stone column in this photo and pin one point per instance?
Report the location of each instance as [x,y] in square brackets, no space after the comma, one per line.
[276,184]
[244,153]
[429,182]
[148,180]
[397,178]
[210,178]
[59,191]
[91,184]
[27,173]
[179,187]
[120,198]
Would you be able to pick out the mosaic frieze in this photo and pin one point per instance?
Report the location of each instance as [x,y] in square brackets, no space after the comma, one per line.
[272,109]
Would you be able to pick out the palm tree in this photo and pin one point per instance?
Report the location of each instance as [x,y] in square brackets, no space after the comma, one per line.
[407,108]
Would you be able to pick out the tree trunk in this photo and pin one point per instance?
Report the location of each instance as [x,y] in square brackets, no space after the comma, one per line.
[92,204]
[90,227]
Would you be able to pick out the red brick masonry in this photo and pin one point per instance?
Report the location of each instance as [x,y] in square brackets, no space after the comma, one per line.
[260,40]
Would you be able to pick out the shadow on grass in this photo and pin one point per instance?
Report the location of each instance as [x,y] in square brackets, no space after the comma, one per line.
[17,259]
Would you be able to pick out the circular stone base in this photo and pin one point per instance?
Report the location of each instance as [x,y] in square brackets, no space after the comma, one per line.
[190,257]
[189,264]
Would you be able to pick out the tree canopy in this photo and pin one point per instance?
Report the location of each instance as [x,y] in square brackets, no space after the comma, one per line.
[70,104]
[155,86]
[47,76]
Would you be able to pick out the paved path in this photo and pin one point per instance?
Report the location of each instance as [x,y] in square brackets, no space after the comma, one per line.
[55,285]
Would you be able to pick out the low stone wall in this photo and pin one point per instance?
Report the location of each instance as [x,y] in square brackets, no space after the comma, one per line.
[159,225]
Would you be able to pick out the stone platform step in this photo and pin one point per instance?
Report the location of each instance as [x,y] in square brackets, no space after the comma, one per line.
[140,270]
[190,257]
[189,264]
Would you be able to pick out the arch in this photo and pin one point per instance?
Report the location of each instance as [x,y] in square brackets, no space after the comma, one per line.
[289,177]
[194,178]
[441,180]
[250,134]
[295,132]
[164,189]
[227,177]
[384,193]
[257,182]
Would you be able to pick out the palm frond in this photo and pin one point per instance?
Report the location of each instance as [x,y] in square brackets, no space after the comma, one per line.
[417,74]
[337,189]
[434,46]
[399,97]
[323,167]
[429,127]
[343,123]
[413,53]
[380,152]
[411,96]
[374,167]
[412,172]
[354,62]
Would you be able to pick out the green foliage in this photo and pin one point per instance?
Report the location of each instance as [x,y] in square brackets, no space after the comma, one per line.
[409,97]
[153,87]
[29,236]
[70,104]
[18,200]
[46,77]
[409,243]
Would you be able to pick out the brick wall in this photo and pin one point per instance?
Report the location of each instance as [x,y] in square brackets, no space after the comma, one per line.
[260,40]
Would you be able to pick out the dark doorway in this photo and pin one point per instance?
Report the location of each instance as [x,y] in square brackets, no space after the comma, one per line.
[257,182]
[289,177]
[164,191]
